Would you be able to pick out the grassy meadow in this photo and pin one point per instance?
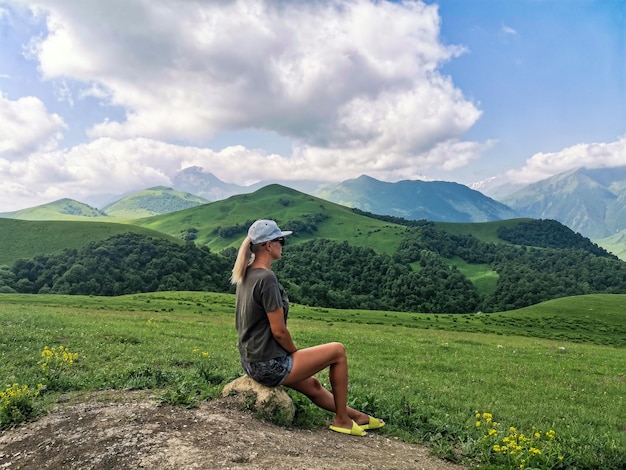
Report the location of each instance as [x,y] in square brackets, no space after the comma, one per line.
[481,275]
[552,376]
[28,238]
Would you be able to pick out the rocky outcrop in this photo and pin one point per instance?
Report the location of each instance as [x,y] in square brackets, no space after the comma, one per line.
[272,403]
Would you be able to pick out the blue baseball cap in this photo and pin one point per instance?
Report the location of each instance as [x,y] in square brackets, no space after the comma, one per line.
[263,231]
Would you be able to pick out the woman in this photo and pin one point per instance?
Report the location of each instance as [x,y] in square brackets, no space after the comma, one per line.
[268,353]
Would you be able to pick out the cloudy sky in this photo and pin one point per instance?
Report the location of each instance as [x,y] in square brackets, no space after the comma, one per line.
[108,97]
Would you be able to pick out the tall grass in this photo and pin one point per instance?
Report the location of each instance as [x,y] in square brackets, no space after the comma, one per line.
[428,383]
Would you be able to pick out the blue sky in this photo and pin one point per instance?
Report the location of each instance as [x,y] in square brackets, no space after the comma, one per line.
[102,98]
[547,74]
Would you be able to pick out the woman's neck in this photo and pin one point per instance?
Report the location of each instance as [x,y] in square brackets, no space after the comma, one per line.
[263,259]
[262,262]
[256,265]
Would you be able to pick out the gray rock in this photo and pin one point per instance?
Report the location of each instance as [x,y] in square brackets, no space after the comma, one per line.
[272,403]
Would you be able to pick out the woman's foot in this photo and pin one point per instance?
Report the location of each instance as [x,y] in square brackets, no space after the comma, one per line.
[353,430]
[369,422]
[344,423]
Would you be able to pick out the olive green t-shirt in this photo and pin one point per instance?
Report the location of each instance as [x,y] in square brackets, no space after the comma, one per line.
[259,293]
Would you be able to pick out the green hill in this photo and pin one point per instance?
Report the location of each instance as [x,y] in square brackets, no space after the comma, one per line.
[63,209]
[224,224]
[218,225]
[25,238]
[152,201]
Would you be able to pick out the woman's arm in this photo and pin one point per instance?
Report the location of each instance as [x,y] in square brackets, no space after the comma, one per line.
[280,331]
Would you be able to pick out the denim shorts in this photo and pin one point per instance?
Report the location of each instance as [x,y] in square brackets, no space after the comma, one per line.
[269,373]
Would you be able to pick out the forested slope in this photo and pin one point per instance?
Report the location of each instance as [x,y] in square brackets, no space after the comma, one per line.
[122,264]
[417,277]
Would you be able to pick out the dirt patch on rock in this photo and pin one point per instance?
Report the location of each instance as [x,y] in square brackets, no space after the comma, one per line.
[127,430]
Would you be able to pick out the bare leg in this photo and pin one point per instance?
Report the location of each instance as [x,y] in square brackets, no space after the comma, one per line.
[312,388]
[306,363]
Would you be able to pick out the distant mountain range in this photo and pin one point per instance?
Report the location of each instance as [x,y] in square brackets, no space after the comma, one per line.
[439,201]
[206,185]
[195,181]
[591,202]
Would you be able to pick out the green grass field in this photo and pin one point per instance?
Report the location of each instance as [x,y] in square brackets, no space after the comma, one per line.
[481,275]
[555,367]
[28,238]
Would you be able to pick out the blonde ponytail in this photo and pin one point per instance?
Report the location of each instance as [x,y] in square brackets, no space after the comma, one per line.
[242,262]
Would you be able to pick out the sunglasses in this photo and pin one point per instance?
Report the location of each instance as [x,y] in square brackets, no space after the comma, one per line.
[280,240]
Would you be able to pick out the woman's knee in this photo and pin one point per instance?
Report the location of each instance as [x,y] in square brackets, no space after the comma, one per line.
[339,350]
[316,385]
[316,389]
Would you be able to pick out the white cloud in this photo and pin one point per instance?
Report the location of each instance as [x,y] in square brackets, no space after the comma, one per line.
[595,155]
[26,126]
[303,70]
[356,85]
[110,166]
[113,166]
[100,167]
